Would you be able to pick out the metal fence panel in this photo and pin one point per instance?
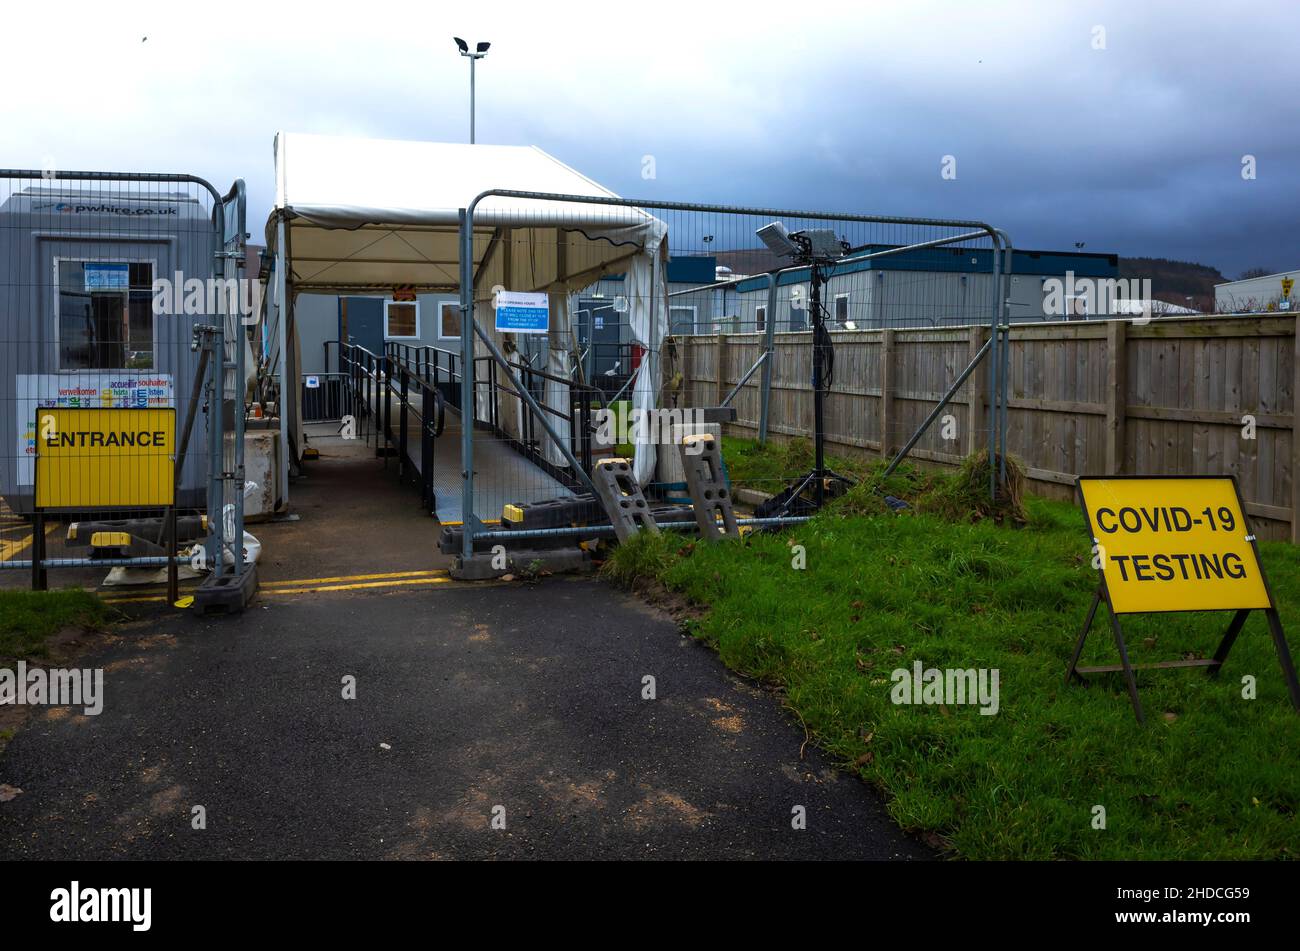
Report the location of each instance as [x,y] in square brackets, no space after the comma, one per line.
[105,285]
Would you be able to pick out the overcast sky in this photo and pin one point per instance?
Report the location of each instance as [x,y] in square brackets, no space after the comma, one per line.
[1122,125]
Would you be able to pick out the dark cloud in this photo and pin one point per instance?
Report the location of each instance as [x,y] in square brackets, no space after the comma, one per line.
[1134,147]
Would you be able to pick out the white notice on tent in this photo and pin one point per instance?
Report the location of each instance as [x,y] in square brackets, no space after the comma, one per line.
[522,312]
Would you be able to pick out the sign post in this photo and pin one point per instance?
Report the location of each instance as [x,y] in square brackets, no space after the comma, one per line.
[1174,544]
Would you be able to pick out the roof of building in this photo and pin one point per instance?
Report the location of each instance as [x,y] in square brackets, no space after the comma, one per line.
[960,260]
[686,269]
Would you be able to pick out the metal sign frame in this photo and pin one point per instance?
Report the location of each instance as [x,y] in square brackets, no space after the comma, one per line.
[1214,664]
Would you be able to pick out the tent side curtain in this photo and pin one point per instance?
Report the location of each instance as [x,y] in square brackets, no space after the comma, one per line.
[563,266]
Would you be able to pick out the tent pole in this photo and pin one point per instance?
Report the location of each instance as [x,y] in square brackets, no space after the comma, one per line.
[467,412]
[282,342]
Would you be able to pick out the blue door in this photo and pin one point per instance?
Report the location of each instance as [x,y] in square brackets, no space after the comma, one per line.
[365,322]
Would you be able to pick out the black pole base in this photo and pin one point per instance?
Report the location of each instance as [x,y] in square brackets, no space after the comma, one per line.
[806,494]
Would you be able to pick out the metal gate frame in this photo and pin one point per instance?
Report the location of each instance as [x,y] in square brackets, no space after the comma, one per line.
[226,251]
[1001,244]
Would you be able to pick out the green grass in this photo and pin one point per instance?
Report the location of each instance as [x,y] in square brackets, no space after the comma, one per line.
[28,618]
[768,468]
[1212,775]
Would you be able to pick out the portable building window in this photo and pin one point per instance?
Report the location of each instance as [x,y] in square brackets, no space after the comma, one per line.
[760,319]
[104,315]
[682,316]
[401,320]
[449,321]
[841,309]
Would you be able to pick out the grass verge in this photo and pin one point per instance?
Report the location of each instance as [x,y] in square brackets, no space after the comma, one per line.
[1211,776]
[28,618]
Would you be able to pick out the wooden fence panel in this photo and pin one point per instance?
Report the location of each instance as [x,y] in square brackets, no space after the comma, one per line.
[1177,396]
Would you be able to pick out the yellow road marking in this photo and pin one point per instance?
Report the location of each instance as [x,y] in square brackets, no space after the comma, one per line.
[431,572]
[352,587]
[315,585]
[9,549]
[337,579]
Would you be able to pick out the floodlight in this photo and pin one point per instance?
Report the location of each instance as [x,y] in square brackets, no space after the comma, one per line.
[620,304]
[482,47]
[464,47]
[821,243]
[777,238]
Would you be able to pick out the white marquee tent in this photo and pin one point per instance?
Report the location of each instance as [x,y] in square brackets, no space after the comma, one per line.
[363,216]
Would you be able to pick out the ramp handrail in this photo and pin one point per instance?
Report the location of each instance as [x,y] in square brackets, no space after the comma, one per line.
[429,363]
[417,382]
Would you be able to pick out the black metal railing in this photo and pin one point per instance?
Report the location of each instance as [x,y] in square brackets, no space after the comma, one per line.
[417,383]
[433,366]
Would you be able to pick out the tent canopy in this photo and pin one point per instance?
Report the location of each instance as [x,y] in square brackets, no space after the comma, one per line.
[378,213]
[356,216]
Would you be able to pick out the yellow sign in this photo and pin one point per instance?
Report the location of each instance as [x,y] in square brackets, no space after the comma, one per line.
[104,457]
[1287,284]
[1173,544]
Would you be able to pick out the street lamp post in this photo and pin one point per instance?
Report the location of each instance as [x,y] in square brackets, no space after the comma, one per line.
[480,50]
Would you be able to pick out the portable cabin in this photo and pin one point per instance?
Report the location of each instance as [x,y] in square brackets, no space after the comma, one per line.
[83,324]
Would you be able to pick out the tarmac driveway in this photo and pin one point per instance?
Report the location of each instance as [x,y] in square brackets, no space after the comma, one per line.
[523,703]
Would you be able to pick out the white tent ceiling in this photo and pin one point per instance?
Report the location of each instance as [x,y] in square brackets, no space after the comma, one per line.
[374,213]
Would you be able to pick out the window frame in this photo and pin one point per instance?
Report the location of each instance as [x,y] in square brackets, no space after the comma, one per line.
[760,318]
[835,308]
[442,305]
[58,314]
[695,315]
[389,302]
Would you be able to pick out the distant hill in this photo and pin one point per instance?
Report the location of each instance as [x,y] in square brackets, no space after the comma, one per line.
[1175,281]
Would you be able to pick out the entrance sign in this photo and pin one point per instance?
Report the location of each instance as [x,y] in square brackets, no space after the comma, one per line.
[1174,544]
[523,312]
[105,458]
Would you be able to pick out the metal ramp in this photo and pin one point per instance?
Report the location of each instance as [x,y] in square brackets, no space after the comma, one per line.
[502,475]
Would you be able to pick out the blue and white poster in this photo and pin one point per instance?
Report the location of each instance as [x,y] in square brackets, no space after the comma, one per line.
[106,277]
[520,312]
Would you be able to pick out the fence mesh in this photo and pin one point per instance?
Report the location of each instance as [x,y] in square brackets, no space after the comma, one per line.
[717,300]
[647,306]
[96,327]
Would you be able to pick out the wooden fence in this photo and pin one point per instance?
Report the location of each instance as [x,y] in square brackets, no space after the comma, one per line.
[1176,396]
